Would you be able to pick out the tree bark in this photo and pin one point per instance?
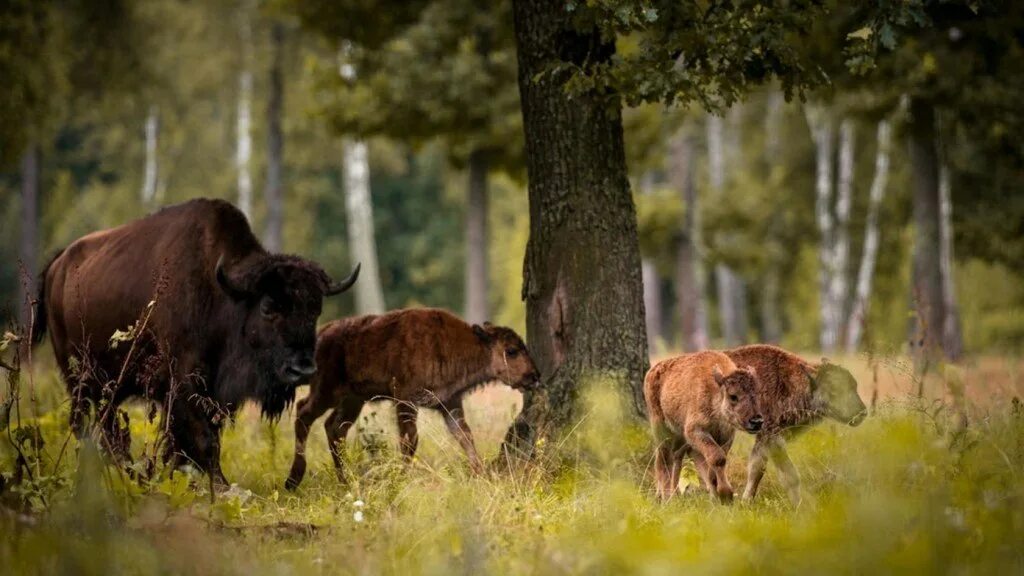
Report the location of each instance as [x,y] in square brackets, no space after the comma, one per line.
[477,269]
[29,249]
[822,134]
[689,264]
[865,275]
[927,294]
[151,169]
[243,148]
[952,338]
[274,190]
[361,237]
[582,280]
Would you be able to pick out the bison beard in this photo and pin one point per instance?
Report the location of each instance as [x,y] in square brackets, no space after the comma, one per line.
[217,321]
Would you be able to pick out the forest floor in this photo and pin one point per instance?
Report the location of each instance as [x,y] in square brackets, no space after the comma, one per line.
[903,492]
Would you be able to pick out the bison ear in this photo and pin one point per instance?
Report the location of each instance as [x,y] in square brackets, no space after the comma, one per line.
[232,289]
[482,334]
[717,373]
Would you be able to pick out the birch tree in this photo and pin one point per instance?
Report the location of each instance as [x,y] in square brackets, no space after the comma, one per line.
[822,133]
[243,136]
[839,282]
[651,281]
[730,290]
[150,170]
[952,339]
[865,274]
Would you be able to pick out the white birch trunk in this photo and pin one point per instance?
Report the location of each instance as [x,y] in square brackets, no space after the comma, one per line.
[150,172]
[865,275]
[361,239]
[839,282]
[243,149]
[952,339]
[822,134]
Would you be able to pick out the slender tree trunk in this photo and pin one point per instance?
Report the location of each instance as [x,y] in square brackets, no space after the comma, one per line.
[689,266]
[771,290]
[731,292]
[582,279]
[927,296]
[29,249]
[477,269]
[151,169]
[274,188]
[361,239]
[652,282]
[839,282]
[243,149]
[862,297]
[822,133]
[952,339]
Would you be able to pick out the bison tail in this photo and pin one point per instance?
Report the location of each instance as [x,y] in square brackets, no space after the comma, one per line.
[652,391]
[39,327]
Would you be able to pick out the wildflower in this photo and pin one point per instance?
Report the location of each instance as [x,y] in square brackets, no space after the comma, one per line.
[358,516]
[358,504]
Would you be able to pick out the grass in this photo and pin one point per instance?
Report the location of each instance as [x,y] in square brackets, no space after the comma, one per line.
[900,493]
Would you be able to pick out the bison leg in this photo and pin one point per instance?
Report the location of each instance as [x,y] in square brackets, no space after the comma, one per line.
[309,409]
[756,467]
[337,427]
[714,459]
[408,436]
[455,418]
[787,471]
[667,463]
[195,439]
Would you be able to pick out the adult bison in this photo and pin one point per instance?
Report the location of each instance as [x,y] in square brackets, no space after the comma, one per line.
[794,395]
[215,320]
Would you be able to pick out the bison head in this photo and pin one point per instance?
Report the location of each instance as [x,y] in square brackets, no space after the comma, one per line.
[510,360]
[281,298]
[835,388]
[739,398]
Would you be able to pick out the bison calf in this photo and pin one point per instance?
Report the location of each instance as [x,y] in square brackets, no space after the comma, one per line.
[695,403]
[794,395]
[418,358]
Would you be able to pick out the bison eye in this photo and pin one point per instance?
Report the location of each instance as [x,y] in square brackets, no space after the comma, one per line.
[734,398]
[511,352]
[268,308]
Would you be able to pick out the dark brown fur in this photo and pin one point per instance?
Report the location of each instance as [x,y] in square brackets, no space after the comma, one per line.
[210,342]
[695,403]
[420,357]
[794,395]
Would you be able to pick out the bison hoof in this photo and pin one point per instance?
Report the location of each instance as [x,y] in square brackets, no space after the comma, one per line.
[725,495]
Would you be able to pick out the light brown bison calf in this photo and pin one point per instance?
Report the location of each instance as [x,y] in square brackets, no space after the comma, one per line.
[793,395]
[417,358]
[695,403]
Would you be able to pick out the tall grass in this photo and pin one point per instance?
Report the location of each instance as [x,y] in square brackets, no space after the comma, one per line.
[907,491]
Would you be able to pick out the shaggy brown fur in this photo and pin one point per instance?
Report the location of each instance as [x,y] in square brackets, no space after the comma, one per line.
[230,323]
[695,403]
[794,395]
[419,357]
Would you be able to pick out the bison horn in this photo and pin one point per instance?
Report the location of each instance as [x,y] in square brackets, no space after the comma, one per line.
[225,283]
[339,287]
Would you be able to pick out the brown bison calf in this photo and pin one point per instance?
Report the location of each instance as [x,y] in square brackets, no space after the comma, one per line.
[695,403]
[417,358]
[793,395]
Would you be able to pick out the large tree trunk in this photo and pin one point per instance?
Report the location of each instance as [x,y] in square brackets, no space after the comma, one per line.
[361,239]
[952,338]
[151,168]
[243,146]
[839,283]
[771,290]
[274,190]
[927,294]
[862,297]
[731,290]
[477,270]
[582,280]
[822,134]
[689,266]
[29,249]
